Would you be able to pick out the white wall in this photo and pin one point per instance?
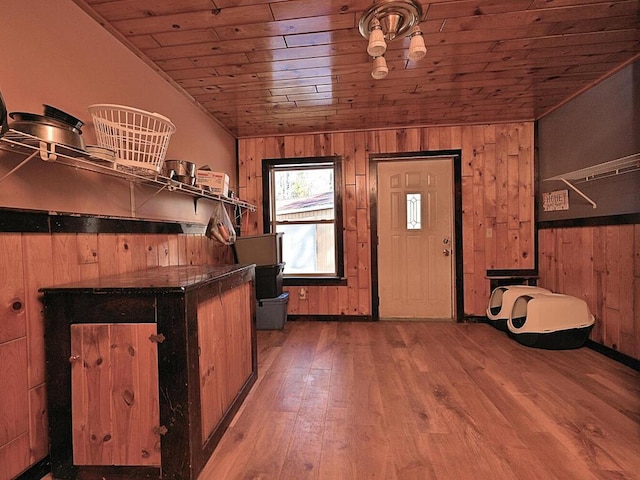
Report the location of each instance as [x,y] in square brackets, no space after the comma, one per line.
[53,52]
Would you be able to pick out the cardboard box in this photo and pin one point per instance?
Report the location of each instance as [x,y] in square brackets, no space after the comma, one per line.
[217,181]
[259,249]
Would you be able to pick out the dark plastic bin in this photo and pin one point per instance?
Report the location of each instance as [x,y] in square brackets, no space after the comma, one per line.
[269,280]
[271,313]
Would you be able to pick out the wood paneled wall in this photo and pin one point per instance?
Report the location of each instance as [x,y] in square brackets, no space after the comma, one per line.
[497,197]
[600,264]
[29,261]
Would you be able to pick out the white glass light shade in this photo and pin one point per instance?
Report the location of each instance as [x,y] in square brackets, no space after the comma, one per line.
[377,46]
[380,69]
[417,48]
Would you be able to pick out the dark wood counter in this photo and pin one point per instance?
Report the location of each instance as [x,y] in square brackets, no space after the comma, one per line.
[146,370]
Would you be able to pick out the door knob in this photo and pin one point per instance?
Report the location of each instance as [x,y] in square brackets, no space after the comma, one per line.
[446,252]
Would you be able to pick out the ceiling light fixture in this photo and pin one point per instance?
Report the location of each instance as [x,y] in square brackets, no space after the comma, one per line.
[389,20]
[417,48]
[380,69]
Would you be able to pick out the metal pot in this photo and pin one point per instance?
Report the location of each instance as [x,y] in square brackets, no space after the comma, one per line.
[179,167]
[34,117]
[47,129]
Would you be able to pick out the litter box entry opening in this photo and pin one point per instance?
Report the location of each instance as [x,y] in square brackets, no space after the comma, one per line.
[519,311]
[495,302]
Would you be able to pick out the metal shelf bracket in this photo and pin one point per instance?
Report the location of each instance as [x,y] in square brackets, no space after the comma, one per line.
[17,167]
[578,191]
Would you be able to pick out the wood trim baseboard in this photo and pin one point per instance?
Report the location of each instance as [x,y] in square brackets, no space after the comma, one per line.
[37,471]
[593,345]
[614,354]
[331,318]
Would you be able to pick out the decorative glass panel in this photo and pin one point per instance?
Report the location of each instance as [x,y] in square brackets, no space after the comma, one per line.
[414,207]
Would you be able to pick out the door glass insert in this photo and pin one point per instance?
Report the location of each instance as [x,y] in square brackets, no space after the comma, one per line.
[414,207]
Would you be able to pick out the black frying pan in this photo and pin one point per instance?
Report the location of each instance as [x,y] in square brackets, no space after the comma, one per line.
[44,120]
[58,114]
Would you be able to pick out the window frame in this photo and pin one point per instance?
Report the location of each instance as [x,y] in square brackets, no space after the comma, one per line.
[271,164]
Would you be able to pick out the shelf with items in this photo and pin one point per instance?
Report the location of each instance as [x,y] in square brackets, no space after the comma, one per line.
[620,166]
[32,147]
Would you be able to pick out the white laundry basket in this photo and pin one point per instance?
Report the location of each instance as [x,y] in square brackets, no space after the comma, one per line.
[140,139]
[553,321]
[501,302]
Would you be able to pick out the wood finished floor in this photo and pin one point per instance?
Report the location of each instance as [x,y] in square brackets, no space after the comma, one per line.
[408,400]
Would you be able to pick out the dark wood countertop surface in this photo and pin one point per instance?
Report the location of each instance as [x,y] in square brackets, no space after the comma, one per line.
[169,278]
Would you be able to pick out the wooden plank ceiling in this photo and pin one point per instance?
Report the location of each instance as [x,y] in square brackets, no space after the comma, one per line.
[267,67]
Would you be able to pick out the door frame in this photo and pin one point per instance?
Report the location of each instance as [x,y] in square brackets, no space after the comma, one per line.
[374,160]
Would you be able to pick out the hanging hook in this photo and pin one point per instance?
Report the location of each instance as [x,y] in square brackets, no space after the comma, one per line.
[46,154]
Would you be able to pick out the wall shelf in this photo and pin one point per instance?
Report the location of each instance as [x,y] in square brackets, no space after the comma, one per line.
[620,166]
[30,146]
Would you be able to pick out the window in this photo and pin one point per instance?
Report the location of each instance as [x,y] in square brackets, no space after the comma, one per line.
[302,199]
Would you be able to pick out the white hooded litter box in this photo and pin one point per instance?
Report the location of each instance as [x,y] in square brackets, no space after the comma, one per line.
[552,321]
[501,302]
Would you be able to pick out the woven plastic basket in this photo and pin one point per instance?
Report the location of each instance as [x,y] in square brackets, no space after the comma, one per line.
[140,139]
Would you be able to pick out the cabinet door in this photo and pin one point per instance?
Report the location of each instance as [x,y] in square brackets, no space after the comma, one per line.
[114,394]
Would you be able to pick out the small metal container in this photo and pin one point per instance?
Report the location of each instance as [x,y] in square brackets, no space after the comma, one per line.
[186,179]
[179,167]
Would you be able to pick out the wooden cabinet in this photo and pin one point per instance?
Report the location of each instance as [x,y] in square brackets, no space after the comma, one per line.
[146,370]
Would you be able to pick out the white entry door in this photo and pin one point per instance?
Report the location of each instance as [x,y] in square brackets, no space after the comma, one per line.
[415,239]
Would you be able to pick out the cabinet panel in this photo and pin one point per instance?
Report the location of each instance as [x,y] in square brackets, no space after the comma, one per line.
[224,341]
[90,409]
[237,309]
[135,409]
[114,379]
[211,325]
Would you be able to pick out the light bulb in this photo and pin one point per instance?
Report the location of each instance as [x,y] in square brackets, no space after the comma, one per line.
[377,46]
[380,69]
[417,48]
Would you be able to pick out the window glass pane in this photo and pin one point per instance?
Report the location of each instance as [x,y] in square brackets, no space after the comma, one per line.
[304,194]
[414,207]
[308,248]
[300,203]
